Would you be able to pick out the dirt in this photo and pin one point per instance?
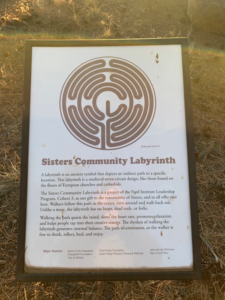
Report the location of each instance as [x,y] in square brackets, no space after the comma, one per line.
[111,19]
[116,19]
[107,19]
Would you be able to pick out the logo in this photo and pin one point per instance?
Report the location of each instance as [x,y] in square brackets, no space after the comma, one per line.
[107,103]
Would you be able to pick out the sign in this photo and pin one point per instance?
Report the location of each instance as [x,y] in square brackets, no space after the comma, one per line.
[108,186]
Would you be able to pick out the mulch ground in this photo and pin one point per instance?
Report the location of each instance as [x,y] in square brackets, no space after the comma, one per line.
[116,19]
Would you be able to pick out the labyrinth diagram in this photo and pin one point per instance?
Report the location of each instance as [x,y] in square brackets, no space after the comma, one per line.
[107,103]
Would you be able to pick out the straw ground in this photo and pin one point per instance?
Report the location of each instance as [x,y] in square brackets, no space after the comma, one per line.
[207,70]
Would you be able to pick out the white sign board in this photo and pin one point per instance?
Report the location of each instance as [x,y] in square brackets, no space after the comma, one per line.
[108,177]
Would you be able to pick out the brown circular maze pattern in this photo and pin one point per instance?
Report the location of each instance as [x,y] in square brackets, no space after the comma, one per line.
[109,130]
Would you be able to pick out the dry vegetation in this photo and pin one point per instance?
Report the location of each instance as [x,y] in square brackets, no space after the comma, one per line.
[207,69]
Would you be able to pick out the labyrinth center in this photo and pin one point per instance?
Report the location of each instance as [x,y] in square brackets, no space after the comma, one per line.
[107,103]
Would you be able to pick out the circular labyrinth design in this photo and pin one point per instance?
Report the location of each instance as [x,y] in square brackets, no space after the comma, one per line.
[107,103]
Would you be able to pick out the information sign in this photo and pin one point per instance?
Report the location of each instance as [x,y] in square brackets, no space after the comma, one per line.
[108,188]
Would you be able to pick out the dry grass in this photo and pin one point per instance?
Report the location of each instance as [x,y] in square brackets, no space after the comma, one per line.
[207,67]
[209,128]
[103,18]
[208,93]
[67,13]
[71,16]
[109,19]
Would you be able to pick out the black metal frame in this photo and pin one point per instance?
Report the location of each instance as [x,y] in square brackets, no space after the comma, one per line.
[21,275]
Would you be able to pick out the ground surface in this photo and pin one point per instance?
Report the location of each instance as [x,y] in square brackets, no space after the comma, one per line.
[116,19]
